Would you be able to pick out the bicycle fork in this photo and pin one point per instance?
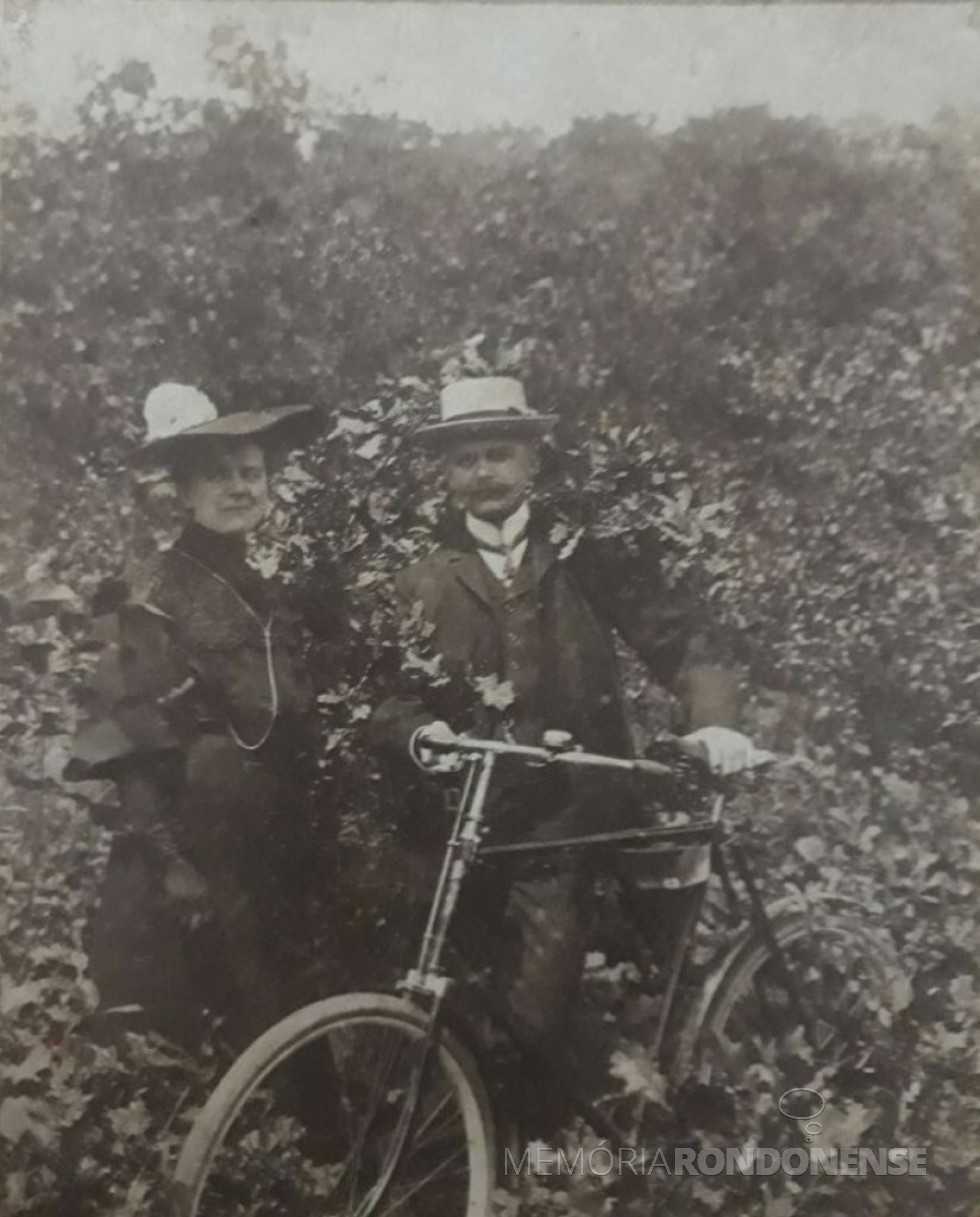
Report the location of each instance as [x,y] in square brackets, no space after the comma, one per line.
[427,979]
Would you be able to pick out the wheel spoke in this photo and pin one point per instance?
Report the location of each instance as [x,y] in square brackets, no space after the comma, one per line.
[380,1078]
[444,1104]
[405,1196]
[753,1040]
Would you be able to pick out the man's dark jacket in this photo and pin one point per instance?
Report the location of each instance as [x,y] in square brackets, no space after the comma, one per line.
[550,634]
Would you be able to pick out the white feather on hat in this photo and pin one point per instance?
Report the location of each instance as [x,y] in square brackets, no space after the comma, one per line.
[171,408]
[175,413]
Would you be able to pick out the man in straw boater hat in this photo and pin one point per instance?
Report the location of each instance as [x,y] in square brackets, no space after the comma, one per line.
[202,712]
[504,604]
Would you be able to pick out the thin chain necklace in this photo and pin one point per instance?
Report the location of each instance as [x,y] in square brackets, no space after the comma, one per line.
[266,628]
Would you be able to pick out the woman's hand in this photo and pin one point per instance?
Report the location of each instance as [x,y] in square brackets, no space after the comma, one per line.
[184,884]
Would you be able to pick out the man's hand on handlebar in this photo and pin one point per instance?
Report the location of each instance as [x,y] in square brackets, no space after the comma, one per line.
[727,752]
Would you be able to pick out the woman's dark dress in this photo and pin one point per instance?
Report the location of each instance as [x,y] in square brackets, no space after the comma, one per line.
[202,712]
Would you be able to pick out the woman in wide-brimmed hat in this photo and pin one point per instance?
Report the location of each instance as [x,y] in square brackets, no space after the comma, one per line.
[202,713]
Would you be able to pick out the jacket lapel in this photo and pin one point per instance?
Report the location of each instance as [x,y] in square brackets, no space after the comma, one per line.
[538,559]
[470,569]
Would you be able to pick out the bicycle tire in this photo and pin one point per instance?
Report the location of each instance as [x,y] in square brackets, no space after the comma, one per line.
[756,952]
[284,1041]
[878,994]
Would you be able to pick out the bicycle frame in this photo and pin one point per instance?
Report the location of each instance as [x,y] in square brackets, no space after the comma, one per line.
[427,982]
[478,759]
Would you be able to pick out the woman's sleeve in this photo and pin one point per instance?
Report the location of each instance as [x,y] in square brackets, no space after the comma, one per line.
[132,706]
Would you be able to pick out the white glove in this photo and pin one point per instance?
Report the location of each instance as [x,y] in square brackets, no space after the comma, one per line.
[728,751]
[430,760]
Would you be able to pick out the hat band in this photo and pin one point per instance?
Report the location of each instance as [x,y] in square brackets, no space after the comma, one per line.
[478,416]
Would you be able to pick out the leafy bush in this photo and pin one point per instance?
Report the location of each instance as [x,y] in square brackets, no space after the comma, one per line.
[761,339]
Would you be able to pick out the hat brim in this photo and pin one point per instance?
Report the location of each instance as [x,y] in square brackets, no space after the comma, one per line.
[458,430]
[279,422]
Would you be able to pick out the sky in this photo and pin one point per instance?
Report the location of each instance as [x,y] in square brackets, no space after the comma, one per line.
[466,66]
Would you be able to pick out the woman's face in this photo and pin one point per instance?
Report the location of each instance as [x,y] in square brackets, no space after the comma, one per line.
[227,487]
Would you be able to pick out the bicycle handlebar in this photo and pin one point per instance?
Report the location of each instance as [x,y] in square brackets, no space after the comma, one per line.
[567,753]
[464,745]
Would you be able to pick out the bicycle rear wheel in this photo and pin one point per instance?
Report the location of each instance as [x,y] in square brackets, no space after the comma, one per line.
[837,1039]
[343,1109]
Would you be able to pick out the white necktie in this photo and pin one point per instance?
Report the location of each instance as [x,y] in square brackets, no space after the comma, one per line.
[501,548]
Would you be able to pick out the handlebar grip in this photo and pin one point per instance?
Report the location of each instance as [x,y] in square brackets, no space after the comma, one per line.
[653,768]
[679,754]
[435,747]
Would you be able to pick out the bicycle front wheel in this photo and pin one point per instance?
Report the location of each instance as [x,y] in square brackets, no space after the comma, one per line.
[347,1108]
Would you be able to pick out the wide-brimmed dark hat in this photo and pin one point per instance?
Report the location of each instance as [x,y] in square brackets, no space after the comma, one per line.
[177,414]
[483,407]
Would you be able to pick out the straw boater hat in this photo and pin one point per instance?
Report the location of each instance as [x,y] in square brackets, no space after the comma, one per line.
[484,407]
[175,414]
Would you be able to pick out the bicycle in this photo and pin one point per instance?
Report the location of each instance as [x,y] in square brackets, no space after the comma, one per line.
[411,1126]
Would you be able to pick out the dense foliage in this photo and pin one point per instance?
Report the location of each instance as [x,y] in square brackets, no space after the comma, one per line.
[761,337]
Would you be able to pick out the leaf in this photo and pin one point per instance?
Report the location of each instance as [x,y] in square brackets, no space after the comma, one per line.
[135,1203]
[711,1197]
[131,1121]
[639,1075]
[962,994]
[37,1061]
[782,1206]
[15,997]
[496,693]
[371,448]
[867,839]
[20,1117]
[15,1119]
[811,849]
[843,1126]
[901,991]
[906,794]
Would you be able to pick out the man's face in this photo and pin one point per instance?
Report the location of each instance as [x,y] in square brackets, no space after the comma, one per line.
[227,490]
[490,478]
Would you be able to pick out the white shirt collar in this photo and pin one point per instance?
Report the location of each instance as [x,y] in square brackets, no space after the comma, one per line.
[502,549]
[506,534]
